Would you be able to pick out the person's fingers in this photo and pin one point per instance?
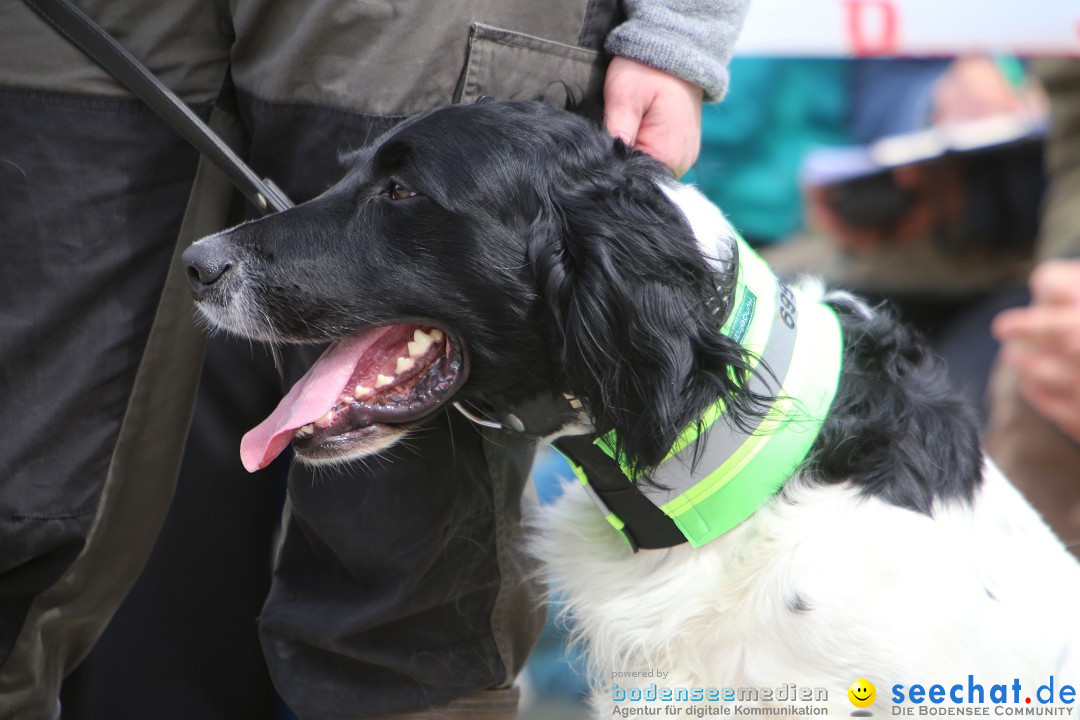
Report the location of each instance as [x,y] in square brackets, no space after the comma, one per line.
[1049,328]
[622,119]
[626,99]
[1008,323]
[1042,342]
[973,88]
[1052,373]
[1057,282]
[657,113]
[670,136]
[1060,408]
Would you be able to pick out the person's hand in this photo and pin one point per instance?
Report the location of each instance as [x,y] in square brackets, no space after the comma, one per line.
[1042,342]
[652,111]
[974,88]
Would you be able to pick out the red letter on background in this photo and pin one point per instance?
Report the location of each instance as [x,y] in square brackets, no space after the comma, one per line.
[859,16]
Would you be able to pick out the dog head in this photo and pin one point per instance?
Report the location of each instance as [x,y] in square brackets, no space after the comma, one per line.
[496,253]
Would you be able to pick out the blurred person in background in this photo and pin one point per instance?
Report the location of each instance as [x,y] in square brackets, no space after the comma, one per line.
[1034,431]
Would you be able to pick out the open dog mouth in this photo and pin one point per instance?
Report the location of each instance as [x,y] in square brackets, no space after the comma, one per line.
[360,385]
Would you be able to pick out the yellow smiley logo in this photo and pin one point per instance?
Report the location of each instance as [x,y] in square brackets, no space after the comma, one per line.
[862,693]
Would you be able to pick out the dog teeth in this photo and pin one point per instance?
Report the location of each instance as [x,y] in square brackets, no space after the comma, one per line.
[418,346]
[420,343]
[574,402]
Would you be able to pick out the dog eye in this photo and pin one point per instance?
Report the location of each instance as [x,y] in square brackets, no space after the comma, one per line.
[397,191]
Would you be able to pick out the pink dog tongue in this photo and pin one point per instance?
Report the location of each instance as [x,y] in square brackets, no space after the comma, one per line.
[307,401]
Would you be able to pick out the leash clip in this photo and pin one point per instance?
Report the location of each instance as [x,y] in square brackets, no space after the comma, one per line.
[485,422]
[540,418]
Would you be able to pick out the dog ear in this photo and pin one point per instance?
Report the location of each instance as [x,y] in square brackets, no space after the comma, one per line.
[634,301]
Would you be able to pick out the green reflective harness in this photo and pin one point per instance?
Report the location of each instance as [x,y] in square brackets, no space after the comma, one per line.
[703,489]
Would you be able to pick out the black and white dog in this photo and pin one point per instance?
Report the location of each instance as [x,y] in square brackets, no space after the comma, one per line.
[496,254]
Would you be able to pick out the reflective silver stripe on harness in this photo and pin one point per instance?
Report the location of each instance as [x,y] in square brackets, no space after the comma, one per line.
[678,473]
[799,357]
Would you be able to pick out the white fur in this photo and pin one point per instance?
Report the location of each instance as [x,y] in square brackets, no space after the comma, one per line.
[892,595]
[715,235]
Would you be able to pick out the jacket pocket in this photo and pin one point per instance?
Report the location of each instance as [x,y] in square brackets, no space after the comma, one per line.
[509,65]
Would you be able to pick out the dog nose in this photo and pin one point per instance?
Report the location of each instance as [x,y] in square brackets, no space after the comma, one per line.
[205,264]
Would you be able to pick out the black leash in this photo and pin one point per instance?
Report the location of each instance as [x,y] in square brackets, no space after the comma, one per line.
[644,524]
[103,49]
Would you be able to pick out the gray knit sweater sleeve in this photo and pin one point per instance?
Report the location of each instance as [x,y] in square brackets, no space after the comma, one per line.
[691,39]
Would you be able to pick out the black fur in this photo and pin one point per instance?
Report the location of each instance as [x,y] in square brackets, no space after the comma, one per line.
[896,427]
[550,252]
[629,298]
